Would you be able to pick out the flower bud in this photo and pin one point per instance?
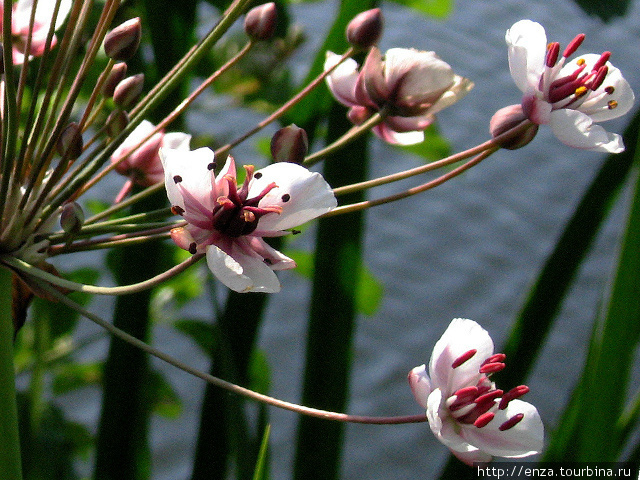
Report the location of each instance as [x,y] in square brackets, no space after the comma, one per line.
[260,22]
[71,217]
[122,42]
[116,75]
[507,118]
[117,121]
[289,144]
[70,142]
[365,29]
[128,91]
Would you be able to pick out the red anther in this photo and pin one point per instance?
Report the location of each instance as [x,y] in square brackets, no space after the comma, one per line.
[488,397]
[498,357]
[466,392]
[564,91]
[553,49]
[463,358]
[484,419]
[515,392]
[512,422]
[604,58]
[598,80]
[492,367]
[573,45]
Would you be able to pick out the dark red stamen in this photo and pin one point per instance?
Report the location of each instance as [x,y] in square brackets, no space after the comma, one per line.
[573,45]
[497,357]
[512,422]
[599,77]
[492,367]
[512,394]
[484,419]
[553,49]
[604,58]
[463,358]
[488,397]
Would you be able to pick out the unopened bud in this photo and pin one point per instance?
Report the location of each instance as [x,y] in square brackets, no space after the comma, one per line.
[72,217]
[116,75]
[128,91]
[507,118]
[123,41]
[289,144]
[365,29]
[70,142]
[117,121]
[260,21]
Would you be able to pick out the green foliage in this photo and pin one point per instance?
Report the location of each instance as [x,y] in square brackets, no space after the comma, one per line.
[202,333]
[260,472]
[604,9]
[72,376]
[432,8]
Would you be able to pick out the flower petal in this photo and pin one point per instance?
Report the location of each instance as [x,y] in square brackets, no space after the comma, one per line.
[241,272]
[386,133]
[420,385]
[577,129]
[302,195]
[442,426]
[272,257]
[342,81]
[524,439]
[527,44]
[461,336]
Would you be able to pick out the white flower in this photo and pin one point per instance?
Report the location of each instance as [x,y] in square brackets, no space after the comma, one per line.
[464,409]
[569,96]
[228,221]
[410,85]
[20,18]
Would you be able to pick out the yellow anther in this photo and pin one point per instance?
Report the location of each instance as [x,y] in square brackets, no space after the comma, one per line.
[611,104]
[580,91]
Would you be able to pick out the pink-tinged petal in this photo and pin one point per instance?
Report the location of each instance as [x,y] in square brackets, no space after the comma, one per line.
[577,129]
[472,456]
[443,426]
[461,336]
[524,439]
[536,109]
[189,178]
[241,272]
[461,86]
[134,138]
[342,81]
[409,124]
[373,85]
[527,48]
[44,14]
[397,138]
[272,257]
[303,195]
[420,385]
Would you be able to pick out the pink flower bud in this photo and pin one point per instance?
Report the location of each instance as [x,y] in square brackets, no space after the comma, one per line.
[72,217]
[128,91]
[289,144]
[365,29]
[507,118]
[122,42]
[70,142]
[116,75]
[260,22]
[116,122]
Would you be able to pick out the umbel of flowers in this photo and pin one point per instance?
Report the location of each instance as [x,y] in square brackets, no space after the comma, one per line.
[56,147]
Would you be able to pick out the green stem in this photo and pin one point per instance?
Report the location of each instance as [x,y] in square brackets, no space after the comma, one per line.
[10,464]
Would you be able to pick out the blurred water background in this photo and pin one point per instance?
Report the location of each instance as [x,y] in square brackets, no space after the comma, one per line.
[470,248]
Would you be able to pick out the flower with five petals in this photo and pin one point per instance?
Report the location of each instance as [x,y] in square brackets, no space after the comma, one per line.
[568,95]
[228,222]
[408,86]
[464,408]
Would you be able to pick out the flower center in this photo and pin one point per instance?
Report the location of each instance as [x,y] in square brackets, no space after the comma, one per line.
[477,404]
[235,214]
[570,91]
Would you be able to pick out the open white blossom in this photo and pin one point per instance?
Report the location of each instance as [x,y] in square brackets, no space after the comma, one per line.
[464,408]
[228,221]
[568,95]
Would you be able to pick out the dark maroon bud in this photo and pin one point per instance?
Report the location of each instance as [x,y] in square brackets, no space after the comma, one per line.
[117,121]
[70,142]
[128,91]
[289,144]
[507,118]
[365,29]
[123,41]
[260,22]
[72,217]
[116,75]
